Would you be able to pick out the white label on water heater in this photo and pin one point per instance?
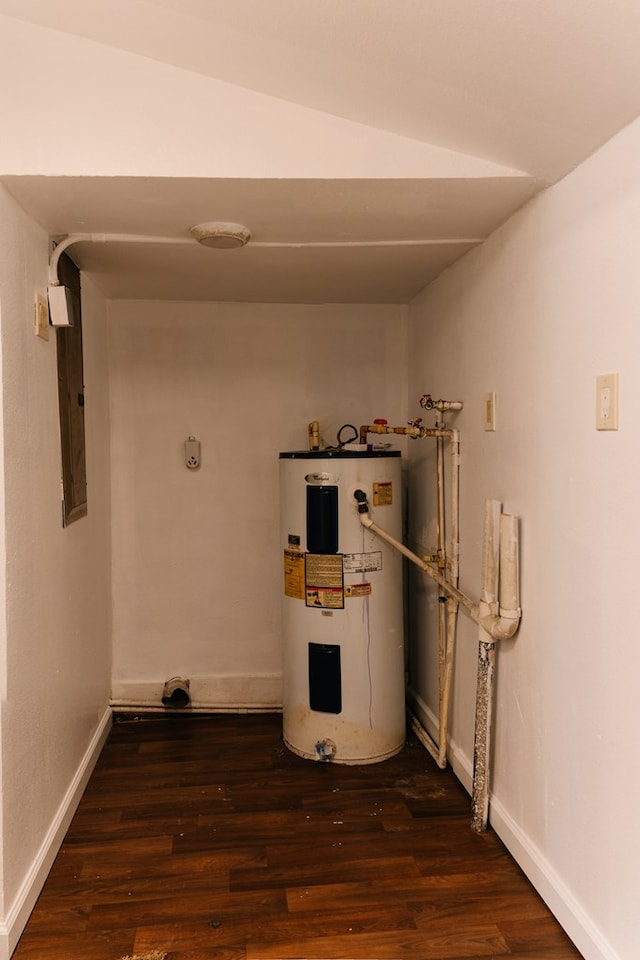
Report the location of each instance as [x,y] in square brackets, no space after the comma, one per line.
[362,562]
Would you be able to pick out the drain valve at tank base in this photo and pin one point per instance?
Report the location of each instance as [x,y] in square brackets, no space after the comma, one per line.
[325,749]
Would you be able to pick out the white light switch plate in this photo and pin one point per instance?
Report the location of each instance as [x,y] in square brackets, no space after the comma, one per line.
[41,317]
[490,411]
[607,401]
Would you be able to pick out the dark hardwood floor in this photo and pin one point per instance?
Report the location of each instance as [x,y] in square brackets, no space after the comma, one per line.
[203,837]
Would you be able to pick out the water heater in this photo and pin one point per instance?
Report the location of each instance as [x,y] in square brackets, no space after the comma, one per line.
[344,697]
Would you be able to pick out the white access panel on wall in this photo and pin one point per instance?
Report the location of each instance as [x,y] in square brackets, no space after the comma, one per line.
[344,697]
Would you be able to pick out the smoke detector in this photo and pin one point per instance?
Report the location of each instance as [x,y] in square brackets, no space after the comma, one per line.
[223,236]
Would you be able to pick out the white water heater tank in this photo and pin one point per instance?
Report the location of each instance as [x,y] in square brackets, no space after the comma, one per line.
[344,691]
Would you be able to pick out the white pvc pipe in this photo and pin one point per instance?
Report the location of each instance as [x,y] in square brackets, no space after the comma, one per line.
[447,575]
[500,626]
[491,551]
[497,618]
[104,238]
[509,568]
[455,506]
[293,245]
[452,617]
[469,605]
[452,605]
[424,738]
[143,238]
[501,620]
[442,613]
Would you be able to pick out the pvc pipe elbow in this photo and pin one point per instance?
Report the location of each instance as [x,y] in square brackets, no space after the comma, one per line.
[504,629]
[501,627]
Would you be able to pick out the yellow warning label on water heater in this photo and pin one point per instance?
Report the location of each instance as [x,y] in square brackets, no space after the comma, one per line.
[294,574]
[383,494]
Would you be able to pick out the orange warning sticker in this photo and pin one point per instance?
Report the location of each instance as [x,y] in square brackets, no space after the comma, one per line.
[383,494]
[294,574]
[357,590]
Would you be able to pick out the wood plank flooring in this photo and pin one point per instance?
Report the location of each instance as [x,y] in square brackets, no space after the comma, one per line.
[203,837]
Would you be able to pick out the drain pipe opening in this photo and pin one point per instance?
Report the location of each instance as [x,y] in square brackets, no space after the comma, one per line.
[176,693]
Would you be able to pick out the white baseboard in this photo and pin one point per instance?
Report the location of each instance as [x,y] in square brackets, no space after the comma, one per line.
[257,692]
[14,922]
[564,906]
[529,858]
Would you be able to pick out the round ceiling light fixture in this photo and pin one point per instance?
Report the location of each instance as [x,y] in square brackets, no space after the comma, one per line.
[222,236]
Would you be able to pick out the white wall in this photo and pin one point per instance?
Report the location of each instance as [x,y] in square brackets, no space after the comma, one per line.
[56,656]
[144,118]
[196,591]
[549,302]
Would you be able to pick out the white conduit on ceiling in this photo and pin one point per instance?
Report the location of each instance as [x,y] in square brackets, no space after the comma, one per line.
[67,241]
